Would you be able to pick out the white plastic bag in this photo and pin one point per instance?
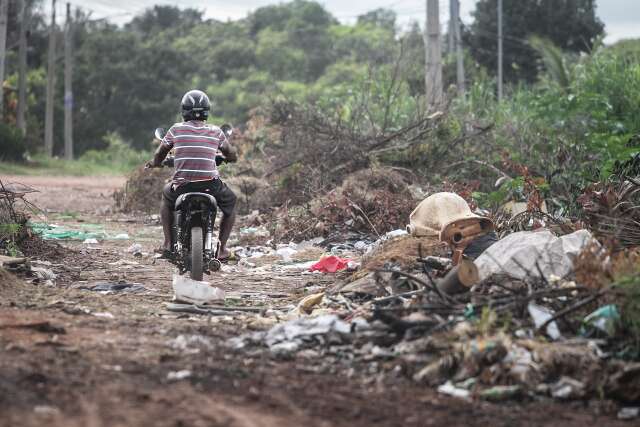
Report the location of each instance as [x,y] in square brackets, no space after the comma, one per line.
[528,254]
[195,292]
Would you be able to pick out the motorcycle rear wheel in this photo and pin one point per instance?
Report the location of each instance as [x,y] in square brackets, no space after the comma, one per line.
[196,253]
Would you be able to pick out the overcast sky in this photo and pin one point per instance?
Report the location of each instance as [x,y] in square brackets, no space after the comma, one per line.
[621,17]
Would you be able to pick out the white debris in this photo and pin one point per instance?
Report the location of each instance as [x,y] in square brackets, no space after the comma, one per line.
[105,314]
[255,231]
[286,253]
[190,344]
[306,327]
[451,390]
[540,315]
[178,375]
[532,254]
[568,388]
[195,292]
[395,233]
[244,263]
[353,266]
[136,248]
[628,413]
[44,275]
[124,262]
[292,336]
[361,246]
[46,410]
[310,243]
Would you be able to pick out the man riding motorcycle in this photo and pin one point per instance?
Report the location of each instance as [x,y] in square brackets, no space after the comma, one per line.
[195,144]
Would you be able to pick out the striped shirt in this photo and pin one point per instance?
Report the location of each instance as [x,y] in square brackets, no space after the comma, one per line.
[195,145]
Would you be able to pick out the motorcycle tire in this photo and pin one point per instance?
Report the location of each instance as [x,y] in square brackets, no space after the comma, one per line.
[196,253]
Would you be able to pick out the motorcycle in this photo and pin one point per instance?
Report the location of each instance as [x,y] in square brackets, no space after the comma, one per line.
[194,246]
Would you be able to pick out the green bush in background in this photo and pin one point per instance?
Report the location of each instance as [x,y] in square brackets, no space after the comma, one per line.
[12,146]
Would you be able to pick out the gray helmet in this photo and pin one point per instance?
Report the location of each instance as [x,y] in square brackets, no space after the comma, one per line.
[195,105]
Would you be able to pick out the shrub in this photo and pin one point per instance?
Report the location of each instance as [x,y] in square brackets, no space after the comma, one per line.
[117,153]
[12,146]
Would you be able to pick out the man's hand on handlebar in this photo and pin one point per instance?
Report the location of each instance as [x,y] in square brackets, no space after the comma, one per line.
[151,165]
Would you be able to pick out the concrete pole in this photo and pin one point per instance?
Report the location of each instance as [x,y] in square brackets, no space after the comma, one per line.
[459,53]
[22,66]
[433,66]
[68,91]
[500,53]
[51,83]
[451,44]
[4,11]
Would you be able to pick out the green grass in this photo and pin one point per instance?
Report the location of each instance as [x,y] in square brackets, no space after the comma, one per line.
[59,167]
[116,159]
[90,164]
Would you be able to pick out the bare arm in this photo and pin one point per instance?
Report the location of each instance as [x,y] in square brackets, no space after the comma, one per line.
[159,156]
[230,153]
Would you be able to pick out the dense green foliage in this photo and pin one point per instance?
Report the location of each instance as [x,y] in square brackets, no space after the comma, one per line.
[11,143]
[570,131]
[571,25]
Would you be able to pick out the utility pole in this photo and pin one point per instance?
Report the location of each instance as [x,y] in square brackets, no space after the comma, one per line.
[458,38]
[433,65]
[500,77]
[451,44]
[4,11]
[22,66]
[68,92]
[51,83]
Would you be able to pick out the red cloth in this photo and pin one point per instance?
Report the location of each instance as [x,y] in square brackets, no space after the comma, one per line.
[330,264]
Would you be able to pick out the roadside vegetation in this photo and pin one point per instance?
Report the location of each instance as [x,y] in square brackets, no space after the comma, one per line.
[117,158]
[570,113]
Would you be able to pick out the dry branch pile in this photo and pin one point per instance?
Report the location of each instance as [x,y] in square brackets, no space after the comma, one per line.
[612,208]
[142,190]
[370,201]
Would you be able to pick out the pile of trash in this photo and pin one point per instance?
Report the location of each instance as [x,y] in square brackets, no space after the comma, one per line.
[301,255]
[34,271]
[455,308]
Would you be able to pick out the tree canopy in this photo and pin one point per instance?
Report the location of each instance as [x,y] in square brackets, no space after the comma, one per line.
[571,25]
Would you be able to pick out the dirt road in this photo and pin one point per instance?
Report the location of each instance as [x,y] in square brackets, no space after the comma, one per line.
[71,356]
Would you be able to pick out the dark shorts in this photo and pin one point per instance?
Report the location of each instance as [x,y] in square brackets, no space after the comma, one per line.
[224,196]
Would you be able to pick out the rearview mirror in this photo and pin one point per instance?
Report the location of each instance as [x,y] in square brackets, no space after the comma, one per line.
[159,133]
[227,129]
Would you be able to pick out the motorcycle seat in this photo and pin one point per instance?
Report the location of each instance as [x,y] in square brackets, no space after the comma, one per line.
[207,198]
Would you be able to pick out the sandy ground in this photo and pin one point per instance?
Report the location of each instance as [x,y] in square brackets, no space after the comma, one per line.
[74,357]
[70,193]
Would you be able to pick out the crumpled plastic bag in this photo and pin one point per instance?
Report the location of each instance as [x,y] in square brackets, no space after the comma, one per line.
[532,254]
[330,264]
[605,319]
[195,292]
